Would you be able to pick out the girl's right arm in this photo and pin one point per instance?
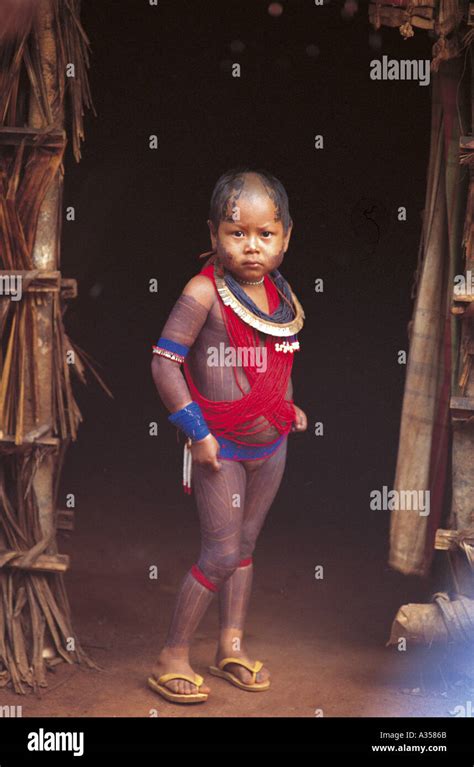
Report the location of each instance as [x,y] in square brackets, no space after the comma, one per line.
[182,327]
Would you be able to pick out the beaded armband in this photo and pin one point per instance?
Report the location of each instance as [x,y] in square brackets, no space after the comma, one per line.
[165,347]
[191,421]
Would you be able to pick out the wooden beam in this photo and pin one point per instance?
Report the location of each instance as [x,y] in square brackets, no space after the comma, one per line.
[447,540]
[463,298]
[9,439]
[38,281]
[52,563]
[462,408]
[54,138]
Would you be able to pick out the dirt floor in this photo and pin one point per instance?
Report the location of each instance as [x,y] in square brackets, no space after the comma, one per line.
[323,640]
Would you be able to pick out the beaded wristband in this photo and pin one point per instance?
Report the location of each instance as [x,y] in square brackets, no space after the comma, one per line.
[191,421]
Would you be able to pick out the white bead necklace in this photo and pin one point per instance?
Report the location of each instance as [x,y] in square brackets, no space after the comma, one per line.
[251,282]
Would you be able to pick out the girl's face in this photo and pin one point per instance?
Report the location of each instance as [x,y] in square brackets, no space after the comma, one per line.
[250,241]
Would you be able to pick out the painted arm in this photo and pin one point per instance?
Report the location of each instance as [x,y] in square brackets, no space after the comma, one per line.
[179,333]
[182,327]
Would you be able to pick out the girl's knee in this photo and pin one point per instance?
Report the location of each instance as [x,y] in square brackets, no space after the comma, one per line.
[219,567]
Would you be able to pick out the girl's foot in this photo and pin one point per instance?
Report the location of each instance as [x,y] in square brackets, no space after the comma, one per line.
[176,663]
[240,672]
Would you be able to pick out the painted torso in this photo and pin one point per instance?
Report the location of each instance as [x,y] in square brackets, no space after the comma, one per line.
[222,382]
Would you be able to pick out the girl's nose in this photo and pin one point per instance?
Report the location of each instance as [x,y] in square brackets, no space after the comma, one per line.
[252,244]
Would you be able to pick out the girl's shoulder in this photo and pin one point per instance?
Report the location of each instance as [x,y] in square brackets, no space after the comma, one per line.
[201,287]
[208,271]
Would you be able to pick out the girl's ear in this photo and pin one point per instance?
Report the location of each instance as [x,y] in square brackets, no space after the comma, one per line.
[287,236]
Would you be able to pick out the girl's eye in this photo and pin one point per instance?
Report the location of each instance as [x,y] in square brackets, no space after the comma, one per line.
[266,232]
[238,232]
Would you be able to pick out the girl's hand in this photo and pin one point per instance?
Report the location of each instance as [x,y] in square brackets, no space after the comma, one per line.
[205,452]
[301,422]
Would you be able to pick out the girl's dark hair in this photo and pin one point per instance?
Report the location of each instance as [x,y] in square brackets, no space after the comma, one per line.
[233,180]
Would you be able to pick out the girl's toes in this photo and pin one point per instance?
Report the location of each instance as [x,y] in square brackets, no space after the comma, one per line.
[245,676]
[262,675]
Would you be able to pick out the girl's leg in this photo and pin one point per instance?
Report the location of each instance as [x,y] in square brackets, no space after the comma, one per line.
[263,481]
[220,498]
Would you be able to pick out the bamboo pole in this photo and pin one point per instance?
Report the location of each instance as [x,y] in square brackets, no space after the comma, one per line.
[46,258]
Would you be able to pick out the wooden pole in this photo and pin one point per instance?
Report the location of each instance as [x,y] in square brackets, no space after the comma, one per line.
[46,257]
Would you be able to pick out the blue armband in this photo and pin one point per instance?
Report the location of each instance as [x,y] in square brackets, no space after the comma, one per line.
[165,347]
[191,421]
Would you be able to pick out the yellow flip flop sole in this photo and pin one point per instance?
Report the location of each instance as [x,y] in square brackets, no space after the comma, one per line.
[233,679]
[177,697]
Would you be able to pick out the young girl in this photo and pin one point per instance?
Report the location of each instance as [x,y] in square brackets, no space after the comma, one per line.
[234,329]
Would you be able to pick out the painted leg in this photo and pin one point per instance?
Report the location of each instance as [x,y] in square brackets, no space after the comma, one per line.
[217,495]
[263,480]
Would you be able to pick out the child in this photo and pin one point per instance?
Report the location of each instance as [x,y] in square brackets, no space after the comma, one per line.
[236,412]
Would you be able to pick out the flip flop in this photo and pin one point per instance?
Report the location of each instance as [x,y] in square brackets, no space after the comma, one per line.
[178,697]
[233,679]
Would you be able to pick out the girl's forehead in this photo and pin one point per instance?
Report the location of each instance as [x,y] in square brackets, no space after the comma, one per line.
[252,206]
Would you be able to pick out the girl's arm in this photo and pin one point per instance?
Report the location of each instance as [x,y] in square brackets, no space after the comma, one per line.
[178,335]
[181,329]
